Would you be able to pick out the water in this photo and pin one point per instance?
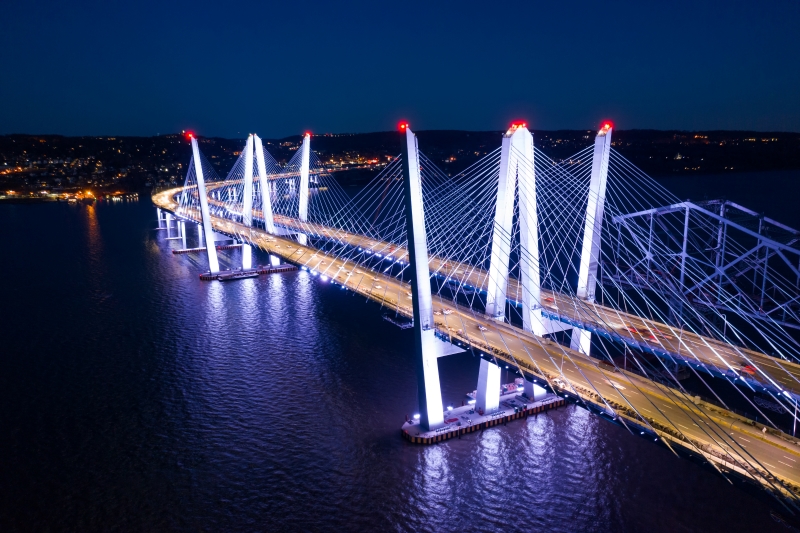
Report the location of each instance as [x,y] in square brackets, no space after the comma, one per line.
[137,398]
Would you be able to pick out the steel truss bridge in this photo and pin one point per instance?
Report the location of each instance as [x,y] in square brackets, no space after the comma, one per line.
[584,275]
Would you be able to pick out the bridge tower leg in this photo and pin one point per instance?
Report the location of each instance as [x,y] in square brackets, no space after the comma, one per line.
[592,233]
[305,157]
[487,396]
[200,234]
[263,179]
[426,352]
[247,202]
[213,262]
[516,171]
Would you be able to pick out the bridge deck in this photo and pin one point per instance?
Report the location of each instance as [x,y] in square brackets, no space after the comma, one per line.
[702,353]
[676,418]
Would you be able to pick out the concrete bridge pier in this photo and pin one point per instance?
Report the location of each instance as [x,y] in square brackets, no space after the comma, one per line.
[533,391]
[183,233]
[160,217]
[487,396]
[168,220]
[200,235]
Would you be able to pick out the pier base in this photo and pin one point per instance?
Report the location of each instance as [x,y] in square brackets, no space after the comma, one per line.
[463,420]
[211,276]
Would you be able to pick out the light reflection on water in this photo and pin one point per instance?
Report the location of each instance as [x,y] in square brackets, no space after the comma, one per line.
[275,404]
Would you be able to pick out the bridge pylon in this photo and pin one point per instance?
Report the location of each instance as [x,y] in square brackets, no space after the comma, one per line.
[213,262]
[425,342]
[302,210]
[592,234]
[516,172]
[247,202]
[266,196]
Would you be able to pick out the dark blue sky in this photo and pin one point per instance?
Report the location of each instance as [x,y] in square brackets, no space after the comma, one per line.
[279,68]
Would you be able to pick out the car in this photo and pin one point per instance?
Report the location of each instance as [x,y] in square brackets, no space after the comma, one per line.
[447,311]
[747,368]
[482,328]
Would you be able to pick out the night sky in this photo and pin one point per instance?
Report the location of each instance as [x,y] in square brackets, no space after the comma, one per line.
[281,68]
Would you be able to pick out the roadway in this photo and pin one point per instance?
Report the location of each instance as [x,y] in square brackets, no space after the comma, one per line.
[704,353]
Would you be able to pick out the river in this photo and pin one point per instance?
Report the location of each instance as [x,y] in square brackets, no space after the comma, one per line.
[137,398]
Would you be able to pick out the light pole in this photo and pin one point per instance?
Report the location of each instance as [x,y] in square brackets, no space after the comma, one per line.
[724,326]
[680,339]
[794,423]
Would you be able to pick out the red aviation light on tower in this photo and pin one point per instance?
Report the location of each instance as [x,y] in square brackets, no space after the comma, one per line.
[517,124]
[307,134]
[607,125]
[403,126]
[189,135]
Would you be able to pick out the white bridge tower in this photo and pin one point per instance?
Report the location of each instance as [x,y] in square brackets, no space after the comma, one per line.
[213,262]
[302,211]
[592,233]
[516,172]
[247,202]
[425,342]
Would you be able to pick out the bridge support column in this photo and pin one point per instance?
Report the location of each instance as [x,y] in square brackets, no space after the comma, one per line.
[200,234]
[263,179]
[592,234]
[158,215]
[168,221]
[487,396]
[183,233]
[426,349]
[213,262]
[247,203]
[305,158]
[516,171]
[533,391]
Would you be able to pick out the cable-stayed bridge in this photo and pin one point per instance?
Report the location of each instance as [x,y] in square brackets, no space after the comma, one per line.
[584,275]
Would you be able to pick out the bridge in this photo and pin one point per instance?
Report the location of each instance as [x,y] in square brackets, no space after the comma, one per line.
[584,276]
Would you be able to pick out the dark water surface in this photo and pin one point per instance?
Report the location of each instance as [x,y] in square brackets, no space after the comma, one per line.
[137,398]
